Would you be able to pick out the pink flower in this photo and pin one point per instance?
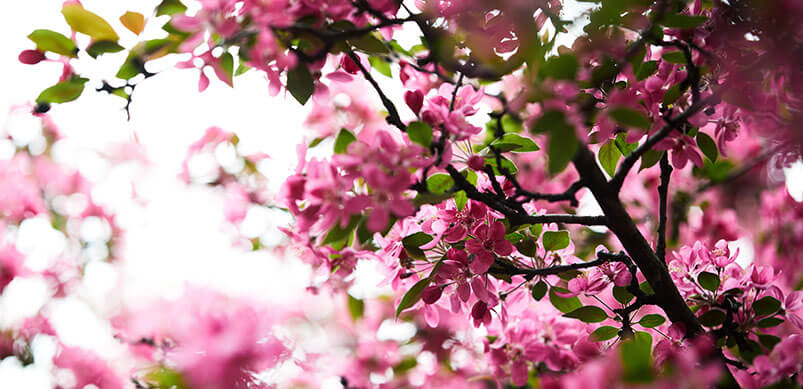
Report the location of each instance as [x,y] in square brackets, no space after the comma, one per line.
[88,368]
[487,241]
[683,150]
[437,111]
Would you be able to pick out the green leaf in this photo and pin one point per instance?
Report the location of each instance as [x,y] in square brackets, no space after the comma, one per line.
[241,69]
[709,281]
[769,341]
[356,308]
[339,235]
[636,358]
[54,42]
[539,290]
[652,320]
[515,143]
[420,132]
[227,64]
[712,318]
[561,67]
[646,287]
[88,23]
[369,44]
[170,7]
[624,147]
[300,83]
[676,57]
[527,247]
[506,163]
[588,314]
[646,69]
[609,157]
[343,140]
[604,333]
[380,65]
[671,95]
[62,92]
[165,378]
[439,183]
[629,117]
[555,240]
[460,199]
[621,295]
[564,304]
[683,21]
[769,322]
[103,47]
[650,158]
[417,239]
[766,306]
[412,296]
[707,146]
[563,145]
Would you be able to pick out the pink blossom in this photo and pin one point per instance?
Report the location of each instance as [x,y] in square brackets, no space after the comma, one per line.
[683,150]
[487,241]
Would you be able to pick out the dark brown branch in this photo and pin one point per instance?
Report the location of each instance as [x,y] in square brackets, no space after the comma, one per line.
[663,191]
[393,114]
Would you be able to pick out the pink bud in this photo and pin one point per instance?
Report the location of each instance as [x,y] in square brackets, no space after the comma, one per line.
[31,57]
[349,66]
[431,294]
[475,162]
[414,100]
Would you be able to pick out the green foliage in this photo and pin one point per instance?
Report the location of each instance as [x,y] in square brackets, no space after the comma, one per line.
[637,359]
[712,318]
[555,240]
[561,67]
[515,143]
[766,306]
[707,146]
[170,7]
[709,281]
[356,308]
[103,47]
[652,320]
[439,183]
[412,296]
[563,304]
[62,92]
[609,156]
[343,139]
[539,290]
[420,132]
[47,40]
[300,83]
[604,333]
[622,295]
[86,22]
[629,117]
[588,314]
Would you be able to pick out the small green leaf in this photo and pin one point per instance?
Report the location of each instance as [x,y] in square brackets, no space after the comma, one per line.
[709,281]
[629,117]
[412,296]
[380,65]
[369,44]
[636,358]
[539,290]
[588,314]
[646,287]
[555,240]
[170,7]
[103,47]
[515,143]
[63,92]
[766,306]
[54,42]
[85,22]
[417,239]
[652,320]
[420,132]
[227,64]
[300,83]
[769,341]
[563,145]
[356,308]
[506,164]
[683,21]
[343,140]
[564,304]
[604,333]
[712,318]
[650,158]
[460,199]
[676,57]
[769,322]
[339,235]
[624,147]
[671,95]
[646,69]
[622,295]
[439,183]
[561,67]
[707,146]
[609,156]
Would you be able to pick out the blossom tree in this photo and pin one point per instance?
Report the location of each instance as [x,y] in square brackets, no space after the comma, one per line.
[483,155]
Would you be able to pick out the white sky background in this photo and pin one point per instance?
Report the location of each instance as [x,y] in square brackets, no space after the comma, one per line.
[179,235]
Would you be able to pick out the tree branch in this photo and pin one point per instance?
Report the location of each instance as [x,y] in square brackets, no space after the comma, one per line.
[663,190]
[393,114]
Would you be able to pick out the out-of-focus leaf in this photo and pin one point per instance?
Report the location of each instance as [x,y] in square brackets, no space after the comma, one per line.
[103,47]
[420,132]
[47,40]
[88,23]
[604,333]
[343,140]
[170,7]
[412,296]
[133,21]
[62,92]
[707,146]
[300,83]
